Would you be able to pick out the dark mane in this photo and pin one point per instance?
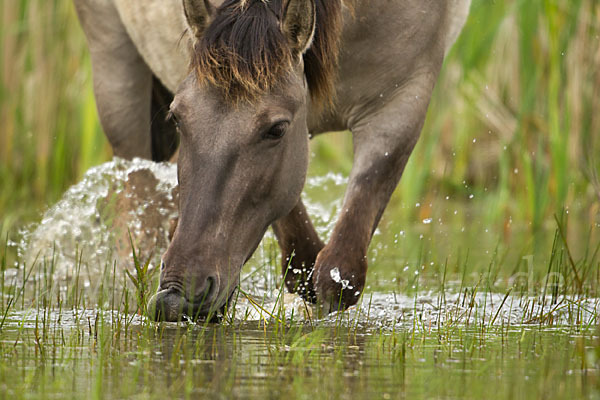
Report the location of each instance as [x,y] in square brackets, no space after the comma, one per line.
[244,52]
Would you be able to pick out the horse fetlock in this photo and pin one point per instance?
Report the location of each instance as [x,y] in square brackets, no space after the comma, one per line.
[339,279]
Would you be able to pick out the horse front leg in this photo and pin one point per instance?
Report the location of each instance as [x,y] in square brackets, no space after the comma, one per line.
[383,142]
[300,244]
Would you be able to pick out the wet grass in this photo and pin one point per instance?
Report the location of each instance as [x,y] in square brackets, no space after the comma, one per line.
[193,361]
[466,328]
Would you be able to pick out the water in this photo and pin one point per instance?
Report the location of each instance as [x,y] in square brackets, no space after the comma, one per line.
[87,354]
[434,321]
[95,217]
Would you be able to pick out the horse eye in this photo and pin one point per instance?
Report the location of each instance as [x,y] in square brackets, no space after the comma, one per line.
[276,131]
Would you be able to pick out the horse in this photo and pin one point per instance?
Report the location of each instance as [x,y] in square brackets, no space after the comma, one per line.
[236,88]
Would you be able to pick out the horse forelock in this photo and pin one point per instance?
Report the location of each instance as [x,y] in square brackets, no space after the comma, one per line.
[244,53]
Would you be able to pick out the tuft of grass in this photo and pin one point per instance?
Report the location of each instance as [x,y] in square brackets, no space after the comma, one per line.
[143,280]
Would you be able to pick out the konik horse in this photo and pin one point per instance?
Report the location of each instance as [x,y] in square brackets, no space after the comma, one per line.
[241,85]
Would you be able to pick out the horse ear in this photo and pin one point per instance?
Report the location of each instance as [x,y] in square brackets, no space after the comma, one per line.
[198,14]
[298,24]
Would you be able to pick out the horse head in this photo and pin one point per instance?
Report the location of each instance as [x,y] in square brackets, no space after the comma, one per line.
[242,119]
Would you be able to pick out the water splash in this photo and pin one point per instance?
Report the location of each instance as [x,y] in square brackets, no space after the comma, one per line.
[391,311]
[337,278]
[93,220]
[324,214]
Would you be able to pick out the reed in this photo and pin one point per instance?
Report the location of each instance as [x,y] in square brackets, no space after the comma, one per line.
[49,133]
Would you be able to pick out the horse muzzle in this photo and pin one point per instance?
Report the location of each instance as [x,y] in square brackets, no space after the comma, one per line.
[171,305]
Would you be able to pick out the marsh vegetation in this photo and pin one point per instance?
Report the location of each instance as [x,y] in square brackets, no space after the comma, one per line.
[484,272]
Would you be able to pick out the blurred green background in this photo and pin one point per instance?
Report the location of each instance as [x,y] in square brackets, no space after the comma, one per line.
[514,119]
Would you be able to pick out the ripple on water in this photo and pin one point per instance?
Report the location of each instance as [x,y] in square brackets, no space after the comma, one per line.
[430,311]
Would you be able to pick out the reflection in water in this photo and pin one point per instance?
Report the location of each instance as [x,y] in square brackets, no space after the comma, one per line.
[128,357]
